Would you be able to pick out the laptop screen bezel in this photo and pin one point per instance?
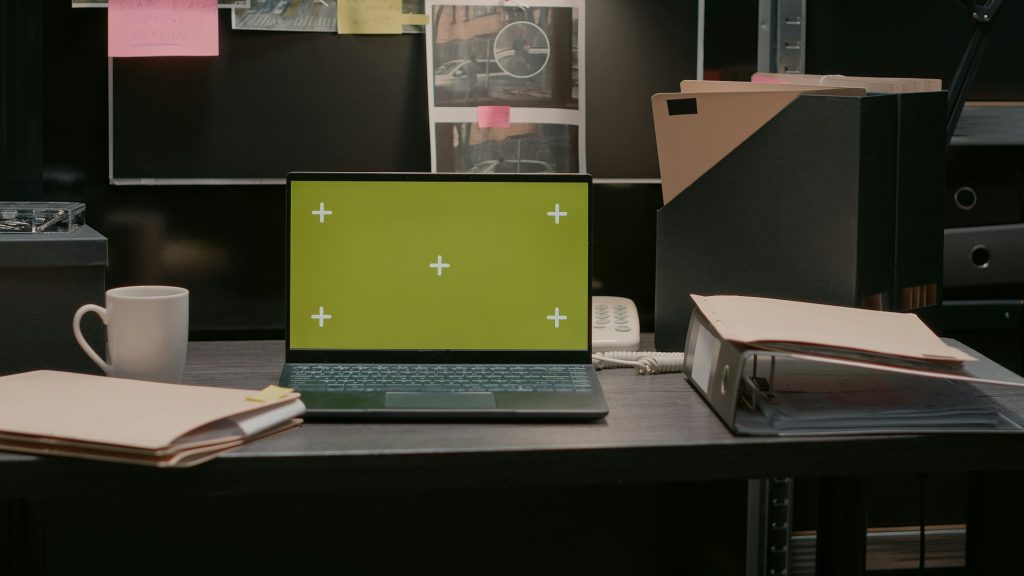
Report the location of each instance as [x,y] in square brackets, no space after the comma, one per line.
[404,356]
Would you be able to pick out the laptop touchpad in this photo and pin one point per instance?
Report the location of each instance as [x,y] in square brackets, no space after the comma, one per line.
[440,400]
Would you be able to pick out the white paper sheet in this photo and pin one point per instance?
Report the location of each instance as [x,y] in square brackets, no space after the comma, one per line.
[528,56]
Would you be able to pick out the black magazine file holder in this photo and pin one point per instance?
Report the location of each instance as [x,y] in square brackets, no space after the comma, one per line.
[804,209]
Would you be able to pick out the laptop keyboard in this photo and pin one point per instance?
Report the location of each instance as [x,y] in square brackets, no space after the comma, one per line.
[439,378]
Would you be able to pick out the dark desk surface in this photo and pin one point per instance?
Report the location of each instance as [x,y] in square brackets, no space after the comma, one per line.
[658,430]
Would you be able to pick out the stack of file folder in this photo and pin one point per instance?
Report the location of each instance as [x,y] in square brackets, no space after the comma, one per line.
[869,83]
[131,421]
[777,367]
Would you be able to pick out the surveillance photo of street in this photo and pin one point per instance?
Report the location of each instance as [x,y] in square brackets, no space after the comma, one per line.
[287,16]
[523,57]
[518,149]
[303,16]
[506,55]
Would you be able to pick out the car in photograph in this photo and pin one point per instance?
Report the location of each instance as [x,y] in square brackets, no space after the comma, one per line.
[451,79]
[512,166]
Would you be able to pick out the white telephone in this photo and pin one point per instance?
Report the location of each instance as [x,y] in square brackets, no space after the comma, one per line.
[615,324]
[615,330]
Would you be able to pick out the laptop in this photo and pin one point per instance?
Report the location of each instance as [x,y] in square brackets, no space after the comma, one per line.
[419,296]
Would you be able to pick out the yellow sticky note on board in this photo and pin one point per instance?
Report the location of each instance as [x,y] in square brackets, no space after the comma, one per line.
[370,16]
[269,394]
[415,19]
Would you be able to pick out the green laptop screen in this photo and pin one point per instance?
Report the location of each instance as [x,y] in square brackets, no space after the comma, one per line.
[435,265]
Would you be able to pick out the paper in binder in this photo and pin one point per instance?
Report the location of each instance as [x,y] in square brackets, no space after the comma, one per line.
[775,367]
[869,83]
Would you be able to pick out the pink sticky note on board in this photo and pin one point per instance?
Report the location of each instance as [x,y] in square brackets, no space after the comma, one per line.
[493,116]
[162,28]
[761,79]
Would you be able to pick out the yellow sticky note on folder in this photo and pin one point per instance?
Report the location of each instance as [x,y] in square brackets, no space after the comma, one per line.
[370,17]
[269,394]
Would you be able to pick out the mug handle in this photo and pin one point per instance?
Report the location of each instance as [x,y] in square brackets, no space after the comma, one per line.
[102,313]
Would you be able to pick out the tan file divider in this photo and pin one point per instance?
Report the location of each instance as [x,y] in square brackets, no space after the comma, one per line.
[707,120]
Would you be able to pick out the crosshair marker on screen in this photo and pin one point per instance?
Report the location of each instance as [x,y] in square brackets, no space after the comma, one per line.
[440,265]
[321,212]
[321,316]
[557,317]
[558,213]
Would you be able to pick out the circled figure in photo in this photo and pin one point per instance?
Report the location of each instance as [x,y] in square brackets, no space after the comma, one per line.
[522,49]
[518,64]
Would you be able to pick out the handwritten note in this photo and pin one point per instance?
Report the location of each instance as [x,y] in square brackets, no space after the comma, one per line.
[370,17]
[493,116]
[162,28]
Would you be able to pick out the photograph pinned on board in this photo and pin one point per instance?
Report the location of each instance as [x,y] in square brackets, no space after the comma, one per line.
[517,149]
[304,16]
[287,16]
[526,61]
[483,53]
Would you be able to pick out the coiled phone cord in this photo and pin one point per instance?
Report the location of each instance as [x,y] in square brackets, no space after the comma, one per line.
[643,362]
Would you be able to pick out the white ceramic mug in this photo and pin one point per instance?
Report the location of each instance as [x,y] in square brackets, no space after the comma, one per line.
[147,332]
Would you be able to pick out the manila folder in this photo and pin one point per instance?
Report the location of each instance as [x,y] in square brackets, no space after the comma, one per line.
[131,420]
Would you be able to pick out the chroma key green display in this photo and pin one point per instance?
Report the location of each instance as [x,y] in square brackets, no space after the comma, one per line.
[434,265]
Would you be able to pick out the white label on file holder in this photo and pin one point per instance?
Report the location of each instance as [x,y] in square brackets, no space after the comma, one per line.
[704,354]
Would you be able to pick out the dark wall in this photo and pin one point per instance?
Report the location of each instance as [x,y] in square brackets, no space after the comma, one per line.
[21,159]
[273,103]
[634,50]
[917,38]
[730,39]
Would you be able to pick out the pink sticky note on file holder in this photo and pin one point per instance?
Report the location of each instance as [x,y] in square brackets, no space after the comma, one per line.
[493,116]
[761,79]
[162,28]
